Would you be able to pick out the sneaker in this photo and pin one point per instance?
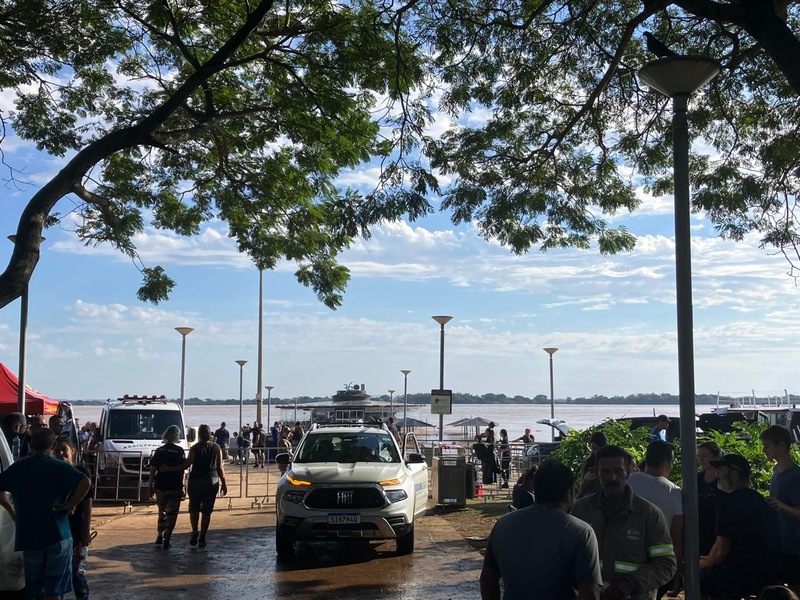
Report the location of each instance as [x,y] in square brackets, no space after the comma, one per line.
[505,485]
[201,542]
[159,540]
[193,539]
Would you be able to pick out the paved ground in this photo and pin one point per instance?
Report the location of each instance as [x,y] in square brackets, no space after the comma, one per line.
[240,563]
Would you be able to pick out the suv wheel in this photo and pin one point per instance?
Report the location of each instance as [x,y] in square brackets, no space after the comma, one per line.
[405,544]
[284,546]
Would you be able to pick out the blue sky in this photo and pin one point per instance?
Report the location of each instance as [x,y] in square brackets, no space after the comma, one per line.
[612,318]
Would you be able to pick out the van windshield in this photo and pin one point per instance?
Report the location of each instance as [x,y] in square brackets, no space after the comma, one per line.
[142,424]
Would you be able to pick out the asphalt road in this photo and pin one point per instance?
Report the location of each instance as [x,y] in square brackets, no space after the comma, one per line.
[239,562]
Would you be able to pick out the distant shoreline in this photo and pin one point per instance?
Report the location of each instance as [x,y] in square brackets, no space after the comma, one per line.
[651,399]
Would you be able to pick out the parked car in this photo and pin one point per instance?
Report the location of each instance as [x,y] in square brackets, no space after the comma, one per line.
[351,482]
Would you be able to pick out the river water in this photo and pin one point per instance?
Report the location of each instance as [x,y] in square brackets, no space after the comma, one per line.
[512,417]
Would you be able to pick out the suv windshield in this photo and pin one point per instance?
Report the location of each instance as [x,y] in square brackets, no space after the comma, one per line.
[348,448]
[142,424]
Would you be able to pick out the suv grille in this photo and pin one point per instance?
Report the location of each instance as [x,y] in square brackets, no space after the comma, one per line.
[351,497]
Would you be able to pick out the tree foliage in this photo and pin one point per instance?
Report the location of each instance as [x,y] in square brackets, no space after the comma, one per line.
[178,112]
[569,120]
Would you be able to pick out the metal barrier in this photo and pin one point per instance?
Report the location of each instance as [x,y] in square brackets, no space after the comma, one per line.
[123,477]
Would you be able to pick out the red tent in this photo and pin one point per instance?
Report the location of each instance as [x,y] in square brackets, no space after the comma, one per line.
[36,403]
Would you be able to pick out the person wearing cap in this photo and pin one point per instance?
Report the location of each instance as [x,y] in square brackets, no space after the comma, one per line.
[784,499]
[745,555]
[659,432]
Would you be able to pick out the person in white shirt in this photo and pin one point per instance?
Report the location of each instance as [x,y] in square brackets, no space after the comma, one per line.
[653,485]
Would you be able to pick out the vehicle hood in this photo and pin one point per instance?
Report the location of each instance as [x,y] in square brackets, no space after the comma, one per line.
[347,472]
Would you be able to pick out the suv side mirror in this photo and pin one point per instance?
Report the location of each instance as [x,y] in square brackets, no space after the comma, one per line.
[191,434]
[415,459]
[283,459]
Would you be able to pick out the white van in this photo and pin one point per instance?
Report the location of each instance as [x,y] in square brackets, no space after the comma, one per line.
[128,433]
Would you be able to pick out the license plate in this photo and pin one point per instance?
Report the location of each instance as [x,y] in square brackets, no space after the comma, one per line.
[343,518]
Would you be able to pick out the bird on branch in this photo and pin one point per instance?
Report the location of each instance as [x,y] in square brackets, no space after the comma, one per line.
[657,47]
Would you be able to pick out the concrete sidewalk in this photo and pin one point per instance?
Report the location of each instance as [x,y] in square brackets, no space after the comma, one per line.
[240,562]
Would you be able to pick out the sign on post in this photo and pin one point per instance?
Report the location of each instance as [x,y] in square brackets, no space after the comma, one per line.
[441,402]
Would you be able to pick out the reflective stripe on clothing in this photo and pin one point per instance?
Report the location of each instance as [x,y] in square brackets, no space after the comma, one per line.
[625,567]
[661,550]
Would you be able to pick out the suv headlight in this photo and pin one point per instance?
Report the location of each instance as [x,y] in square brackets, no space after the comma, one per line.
[396,495]
[295,497]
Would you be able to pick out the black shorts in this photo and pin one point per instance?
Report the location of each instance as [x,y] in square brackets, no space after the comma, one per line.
[202,495]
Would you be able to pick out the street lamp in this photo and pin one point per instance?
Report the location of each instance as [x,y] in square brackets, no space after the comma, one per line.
[184,331]
[23,339]
[391,402]
[678,77]
[260,371]
[552,351]
[269,402]
[405,373]
[441,320]
[241,364]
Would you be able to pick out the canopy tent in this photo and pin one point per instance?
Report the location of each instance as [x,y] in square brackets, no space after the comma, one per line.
[412,423]
[36,403]
[477,422]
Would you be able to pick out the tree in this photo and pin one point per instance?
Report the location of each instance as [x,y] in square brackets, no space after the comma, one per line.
[569,117]
[247,111]
[242,111]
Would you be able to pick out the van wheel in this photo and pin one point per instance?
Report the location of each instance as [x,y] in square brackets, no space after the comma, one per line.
[284,545]
[405,544]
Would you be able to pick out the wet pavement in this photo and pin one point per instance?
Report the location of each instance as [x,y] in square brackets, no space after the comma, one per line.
[240,561]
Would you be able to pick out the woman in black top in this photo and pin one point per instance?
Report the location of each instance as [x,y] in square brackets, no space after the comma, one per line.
[504,450]
[206,479]
[167,487]
[489,465]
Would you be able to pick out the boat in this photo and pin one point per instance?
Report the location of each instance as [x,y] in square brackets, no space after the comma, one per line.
[352,404]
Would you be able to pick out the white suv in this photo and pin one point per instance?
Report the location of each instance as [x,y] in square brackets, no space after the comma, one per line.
[351,482]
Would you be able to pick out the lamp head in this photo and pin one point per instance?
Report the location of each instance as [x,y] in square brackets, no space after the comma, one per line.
[269,387]
[241,362]
[679,75]
[184,331]
[550,351]
[405,371]
[441,319]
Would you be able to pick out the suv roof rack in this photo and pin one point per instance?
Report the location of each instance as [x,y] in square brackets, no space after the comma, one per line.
[347,424]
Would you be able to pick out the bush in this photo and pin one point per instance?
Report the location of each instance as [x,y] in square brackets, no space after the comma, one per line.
[745,441]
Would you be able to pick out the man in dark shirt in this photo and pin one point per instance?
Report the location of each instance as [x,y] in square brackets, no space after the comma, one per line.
[222,437]
[745,555]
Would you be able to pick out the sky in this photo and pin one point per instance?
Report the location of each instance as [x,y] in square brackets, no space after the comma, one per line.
[612,318]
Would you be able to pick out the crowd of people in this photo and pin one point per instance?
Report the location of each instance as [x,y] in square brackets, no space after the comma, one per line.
[51,504]
[618,531]
[257,442]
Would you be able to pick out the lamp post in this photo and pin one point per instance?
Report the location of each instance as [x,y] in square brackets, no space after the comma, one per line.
[391,402]
[678,77]
[441,320]
[552,351]
[184,331]
[23,340]
[295,409]
[269,402]
[259,397]
[241,364]
[405,373]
